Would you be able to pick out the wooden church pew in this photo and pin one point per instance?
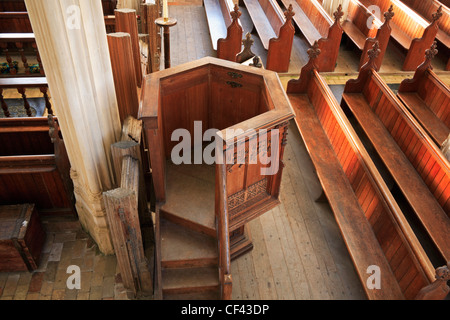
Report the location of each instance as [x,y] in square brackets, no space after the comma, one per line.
[418,167]
[316,25]
[224,27]
[372,225]
[410,31]
[19,22]
[15,22]
[357,30]
[34,167]
[275,30]
[426,9]
[19,5]
[428,99]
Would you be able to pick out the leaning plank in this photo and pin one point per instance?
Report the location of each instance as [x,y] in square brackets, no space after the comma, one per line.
[122,61]
[116,202]
[150,11]
[123,218]
[126,22]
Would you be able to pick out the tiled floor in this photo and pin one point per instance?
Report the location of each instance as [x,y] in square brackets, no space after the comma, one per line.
[66,244]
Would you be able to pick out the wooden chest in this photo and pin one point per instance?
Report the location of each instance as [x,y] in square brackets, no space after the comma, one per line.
[21,238]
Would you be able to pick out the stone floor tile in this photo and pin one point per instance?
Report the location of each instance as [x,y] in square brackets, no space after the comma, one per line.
[55,252]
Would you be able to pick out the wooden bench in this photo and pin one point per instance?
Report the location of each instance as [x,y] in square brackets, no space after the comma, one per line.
[409,30]
[224,27]
[428,99]
[19,22]
[418,167]
[356,27]
[19,5]
[372,225]
[275,31]
[316,25]
[426,9]
[34,167]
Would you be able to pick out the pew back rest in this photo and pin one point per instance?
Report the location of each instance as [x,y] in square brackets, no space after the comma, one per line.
[15,22]
[418,147]
[400,246]
[273,13]
[30,171]
[317,15]
[427,8]
[410,23]
[359,15]
[27,136]
[436,95]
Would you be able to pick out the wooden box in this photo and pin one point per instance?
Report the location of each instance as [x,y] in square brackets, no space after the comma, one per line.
[21,238]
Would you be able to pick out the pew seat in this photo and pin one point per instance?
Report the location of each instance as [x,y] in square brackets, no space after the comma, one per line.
[434,126]
[275,29]
[303,21]
[216,22]
[265,28]
[354,34]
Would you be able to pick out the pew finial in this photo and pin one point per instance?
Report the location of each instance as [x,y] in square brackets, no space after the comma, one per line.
[437,15]
[235,14]
[338,14]
[246,52]
[432,52]
[388,15]
[439,289]
[289,13]
[374,52]
[314,51]
[248,41]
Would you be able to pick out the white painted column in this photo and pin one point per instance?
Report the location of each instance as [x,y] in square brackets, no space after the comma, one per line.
[72,43]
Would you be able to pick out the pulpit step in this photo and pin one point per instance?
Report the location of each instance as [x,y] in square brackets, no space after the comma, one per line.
[190,196]
[190,280]
[182,248]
